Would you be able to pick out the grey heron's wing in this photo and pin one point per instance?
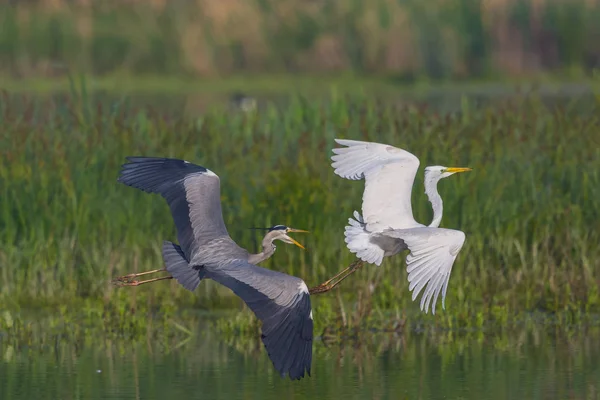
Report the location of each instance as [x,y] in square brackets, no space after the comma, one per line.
[432,255]
[389,174]
[192,192]
[282,303]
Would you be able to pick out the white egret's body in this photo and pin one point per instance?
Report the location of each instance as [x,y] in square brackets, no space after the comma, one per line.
[387,225]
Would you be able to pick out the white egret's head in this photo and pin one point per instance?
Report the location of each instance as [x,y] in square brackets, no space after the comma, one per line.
[437,172]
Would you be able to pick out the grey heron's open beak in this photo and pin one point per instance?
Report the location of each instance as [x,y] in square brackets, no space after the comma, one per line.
[291,239]
[296,230]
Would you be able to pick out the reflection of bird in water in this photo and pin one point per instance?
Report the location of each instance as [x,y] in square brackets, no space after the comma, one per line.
[387,225]
[240,101]
[206,251]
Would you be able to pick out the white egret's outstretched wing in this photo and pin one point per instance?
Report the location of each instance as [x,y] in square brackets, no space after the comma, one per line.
[389,174]
[282,303]
[432,254]
[192,192]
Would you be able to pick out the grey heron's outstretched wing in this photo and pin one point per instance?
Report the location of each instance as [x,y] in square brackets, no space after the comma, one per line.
[282,303]
[192,192]
[432,254]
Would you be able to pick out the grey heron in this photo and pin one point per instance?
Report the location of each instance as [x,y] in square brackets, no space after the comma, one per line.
[387,226]
[206,251]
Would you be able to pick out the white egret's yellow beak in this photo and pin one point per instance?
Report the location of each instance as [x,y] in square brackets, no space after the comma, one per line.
[455,170]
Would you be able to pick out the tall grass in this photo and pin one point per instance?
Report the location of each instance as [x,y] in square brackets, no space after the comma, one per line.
[529,209]
[406,39]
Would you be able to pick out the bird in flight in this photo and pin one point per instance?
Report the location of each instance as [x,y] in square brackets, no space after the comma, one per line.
[206,251]
[387,226]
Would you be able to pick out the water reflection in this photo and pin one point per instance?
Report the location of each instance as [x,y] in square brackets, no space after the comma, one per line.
[533,363]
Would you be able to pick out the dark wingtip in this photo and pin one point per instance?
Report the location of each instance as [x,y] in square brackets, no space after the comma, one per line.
[300,376]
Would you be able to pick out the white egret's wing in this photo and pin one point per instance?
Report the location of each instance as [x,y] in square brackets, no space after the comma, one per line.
[429,264]
[282,303]
[389,174]
[192,192]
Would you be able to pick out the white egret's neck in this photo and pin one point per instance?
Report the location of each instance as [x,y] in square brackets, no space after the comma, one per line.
[268,249]
[431,181]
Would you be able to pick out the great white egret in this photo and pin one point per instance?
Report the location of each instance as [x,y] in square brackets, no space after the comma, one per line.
[387,225]
[205,250]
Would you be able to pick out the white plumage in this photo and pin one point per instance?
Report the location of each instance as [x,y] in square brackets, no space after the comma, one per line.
[389,174]
[387,225]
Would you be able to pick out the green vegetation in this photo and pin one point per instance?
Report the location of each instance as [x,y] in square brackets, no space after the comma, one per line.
[529,208]
[406,40]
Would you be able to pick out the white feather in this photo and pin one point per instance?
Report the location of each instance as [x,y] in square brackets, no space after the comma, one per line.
[389,174]
[429,264]
[358,241]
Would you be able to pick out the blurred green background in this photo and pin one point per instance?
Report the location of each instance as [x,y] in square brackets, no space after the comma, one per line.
[403,40]
[256,91]
[506,87]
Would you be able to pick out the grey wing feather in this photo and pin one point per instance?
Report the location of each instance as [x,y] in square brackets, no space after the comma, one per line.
[179,267]
[192,192]
[282,303]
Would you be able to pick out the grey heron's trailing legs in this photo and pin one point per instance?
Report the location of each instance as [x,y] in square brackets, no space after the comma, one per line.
[130,279]
[337,279]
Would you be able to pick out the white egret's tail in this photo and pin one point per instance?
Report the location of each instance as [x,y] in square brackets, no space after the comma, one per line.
[358,241]
[176,264]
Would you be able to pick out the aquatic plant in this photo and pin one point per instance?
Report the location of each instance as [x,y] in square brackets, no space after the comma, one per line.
[529,208]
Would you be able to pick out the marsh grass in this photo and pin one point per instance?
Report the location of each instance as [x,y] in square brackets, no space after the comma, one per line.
[529,208]
[406,40]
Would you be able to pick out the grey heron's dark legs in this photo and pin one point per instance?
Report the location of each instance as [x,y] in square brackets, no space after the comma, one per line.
[129,280]
[337,279]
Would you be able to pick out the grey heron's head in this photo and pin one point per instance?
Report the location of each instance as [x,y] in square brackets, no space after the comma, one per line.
[437,172]
[280,232]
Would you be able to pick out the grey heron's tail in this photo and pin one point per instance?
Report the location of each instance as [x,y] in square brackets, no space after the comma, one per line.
[188,276]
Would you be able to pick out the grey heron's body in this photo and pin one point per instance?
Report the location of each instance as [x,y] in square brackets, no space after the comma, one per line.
[205,250]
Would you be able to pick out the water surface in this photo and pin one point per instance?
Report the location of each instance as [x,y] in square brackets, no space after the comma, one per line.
[538,363]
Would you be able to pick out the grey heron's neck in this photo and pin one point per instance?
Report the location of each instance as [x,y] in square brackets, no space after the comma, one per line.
[268,249]
[436,200]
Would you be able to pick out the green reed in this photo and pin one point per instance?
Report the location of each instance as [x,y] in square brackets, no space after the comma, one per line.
[529,208]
